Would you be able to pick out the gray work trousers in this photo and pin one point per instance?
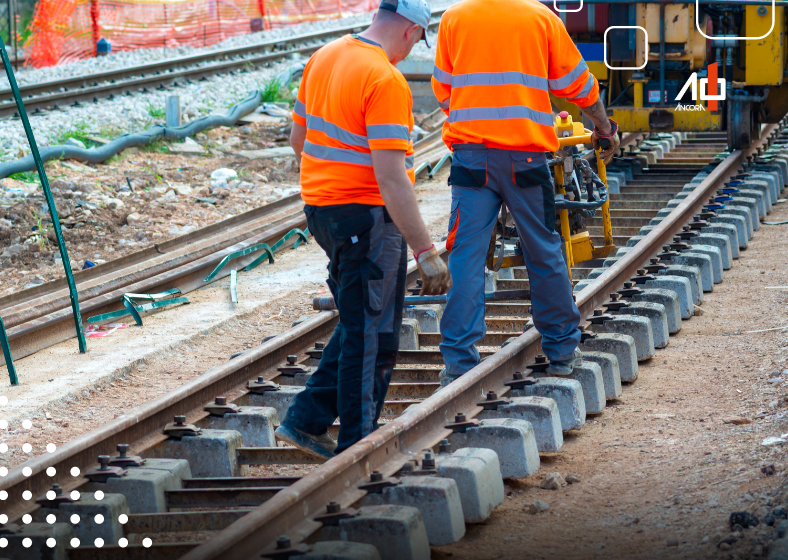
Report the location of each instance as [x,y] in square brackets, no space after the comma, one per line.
[480,179]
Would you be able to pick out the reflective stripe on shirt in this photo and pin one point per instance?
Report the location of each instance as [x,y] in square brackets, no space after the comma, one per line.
[586,88]
[500,113]
[442,76]
[342,155]
[499,79]
[388,132]
[336,132]
[567,79]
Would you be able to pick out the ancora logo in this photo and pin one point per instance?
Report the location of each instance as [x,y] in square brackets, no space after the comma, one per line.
[717,93]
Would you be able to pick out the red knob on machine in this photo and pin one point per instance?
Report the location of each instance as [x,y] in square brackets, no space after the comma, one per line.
[563,114]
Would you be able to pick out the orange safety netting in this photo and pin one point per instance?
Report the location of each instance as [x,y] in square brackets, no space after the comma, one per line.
[67,30]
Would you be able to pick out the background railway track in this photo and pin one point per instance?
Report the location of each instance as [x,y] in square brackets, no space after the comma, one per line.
[287,505]
[58,94]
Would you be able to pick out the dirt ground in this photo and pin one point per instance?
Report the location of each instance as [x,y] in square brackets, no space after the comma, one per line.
[661,470]
[140,197]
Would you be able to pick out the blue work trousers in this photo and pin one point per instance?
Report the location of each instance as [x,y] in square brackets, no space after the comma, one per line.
[366,275]
[480,179]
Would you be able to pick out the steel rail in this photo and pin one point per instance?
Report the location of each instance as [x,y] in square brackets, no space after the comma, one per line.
[42,321]
[290,511]
[119,81]
[142,426]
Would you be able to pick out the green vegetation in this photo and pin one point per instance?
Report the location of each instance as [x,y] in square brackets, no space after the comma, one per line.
[155,146]
[156,112]
[41,230]
[26,177]
[79,132]
[274,92]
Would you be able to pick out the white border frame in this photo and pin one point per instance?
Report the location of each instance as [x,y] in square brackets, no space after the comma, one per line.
[555,5]
[697,26]
[604,44]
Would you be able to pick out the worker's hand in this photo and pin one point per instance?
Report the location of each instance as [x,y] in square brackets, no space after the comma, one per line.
[608,144]
[435,276]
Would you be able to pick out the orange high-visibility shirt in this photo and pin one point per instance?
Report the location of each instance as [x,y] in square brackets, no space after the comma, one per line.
[496,63]
[351,100]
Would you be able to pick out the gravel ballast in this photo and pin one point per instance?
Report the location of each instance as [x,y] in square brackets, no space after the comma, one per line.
[123,114]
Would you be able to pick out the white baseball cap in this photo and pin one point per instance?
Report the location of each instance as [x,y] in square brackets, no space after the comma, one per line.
[417,11]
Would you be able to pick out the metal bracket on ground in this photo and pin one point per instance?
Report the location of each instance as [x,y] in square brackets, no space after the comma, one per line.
[421,168]
[302,236]
[447,157]
[267,251]
[132,308]
[234,286]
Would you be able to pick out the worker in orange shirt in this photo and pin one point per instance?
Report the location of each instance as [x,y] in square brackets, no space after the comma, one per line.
[351,135]
[496,63]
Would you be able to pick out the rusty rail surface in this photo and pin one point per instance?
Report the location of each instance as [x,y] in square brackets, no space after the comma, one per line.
[387,449]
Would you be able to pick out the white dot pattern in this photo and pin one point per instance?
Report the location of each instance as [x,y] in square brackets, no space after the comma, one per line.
[51,495]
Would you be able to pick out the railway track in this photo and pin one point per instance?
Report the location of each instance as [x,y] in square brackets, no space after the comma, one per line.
[39,317]
[248,514]
[58,94]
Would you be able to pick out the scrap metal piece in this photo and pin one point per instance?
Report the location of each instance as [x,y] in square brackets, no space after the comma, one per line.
[377,482]
[234,285]
[262,386]
[104,472]
[123,460]
[220,407]
[335,513]
[179,428]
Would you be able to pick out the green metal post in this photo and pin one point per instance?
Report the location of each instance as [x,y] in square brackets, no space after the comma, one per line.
[72,288]
[9,360]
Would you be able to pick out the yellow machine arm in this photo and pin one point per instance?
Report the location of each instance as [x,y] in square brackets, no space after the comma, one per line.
[579,247]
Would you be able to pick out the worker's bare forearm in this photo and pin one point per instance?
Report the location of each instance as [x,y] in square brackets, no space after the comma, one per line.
[402,206]
[596,112]
[297,139]
[400,197]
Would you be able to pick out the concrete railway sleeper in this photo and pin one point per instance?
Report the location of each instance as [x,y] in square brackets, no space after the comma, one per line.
[439,460]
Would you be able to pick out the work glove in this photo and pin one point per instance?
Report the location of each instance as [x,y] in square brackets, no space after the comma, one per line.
[607,144]
[435,276]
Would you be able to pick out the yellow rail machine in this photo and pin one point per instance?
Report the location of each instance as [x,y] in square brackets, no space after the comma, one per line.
[580,192]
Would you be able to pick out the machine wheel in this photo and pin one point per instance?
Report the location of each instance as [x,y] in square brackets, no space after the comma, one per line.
[741,124]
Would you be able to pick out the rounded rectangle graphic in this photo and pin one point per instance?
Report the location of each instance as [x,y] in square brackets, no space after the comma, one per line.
[604,42]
